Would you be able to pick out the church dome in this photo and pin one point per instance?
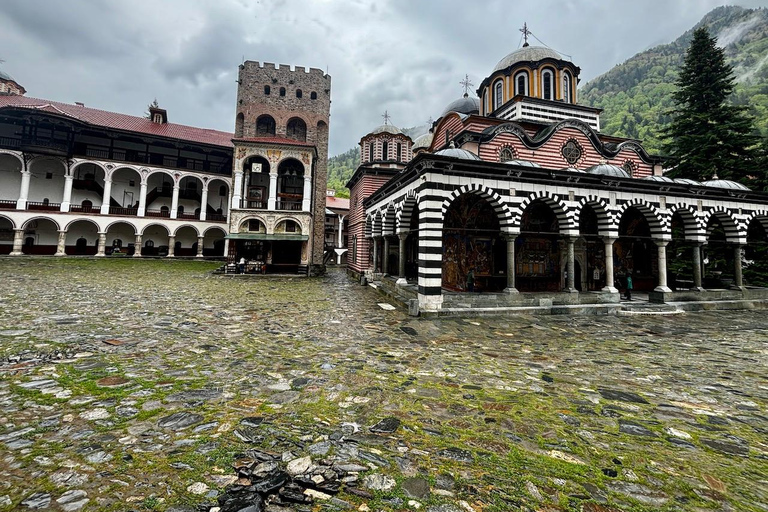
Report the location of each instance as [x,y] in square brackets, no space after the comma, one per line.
[662,179]
[458,153]
[423,141]
[608,170]
[686,181]
[386,128]
[526,54]
[522,163]
[725,184]
[464,105]
[6,76]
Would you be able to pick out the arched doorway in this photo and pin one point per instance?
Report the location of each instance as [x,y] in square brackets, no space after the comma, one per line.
[537,250]
[290,184]
[155,239]
[635,252]
[82,238]
[472,241]
[6,235]
[257,182]
[594,252]
[186,242]
[213,242]
[41,236]
[756,254]
[9,192]
[122,235]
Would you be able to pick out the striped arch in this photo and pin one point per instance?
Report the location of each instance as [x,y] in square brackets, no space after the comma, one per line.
[368,226]
[388,220]
[565,219]
[733,232]
[499,206]
[695,231]
[405,211]
[658,223]
[760,216]
[606,225]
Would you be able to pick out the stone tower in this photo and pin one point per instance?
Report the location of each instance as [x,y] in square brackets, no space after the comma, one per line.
[280,165]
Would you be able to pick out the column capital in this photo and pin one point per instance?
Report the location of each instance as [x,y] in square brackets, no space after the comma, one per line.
[510,236]
[609,239]
[661,242]
[403,235]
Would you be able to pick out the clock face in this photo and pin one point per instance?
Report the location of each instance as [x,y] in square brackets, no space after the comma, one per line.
[572,152]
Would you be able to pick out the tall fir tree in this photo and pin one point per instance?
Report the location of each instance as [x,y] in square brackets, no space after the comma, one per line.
[708,136]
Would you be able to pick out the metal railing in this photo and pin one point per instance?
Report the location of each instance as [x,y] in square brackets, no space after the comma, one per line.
[158,213]
[7,205]
[117,210]
[46,207]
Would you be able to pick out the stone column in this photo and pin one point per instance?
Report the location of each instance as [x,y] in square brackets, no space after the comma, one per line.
[137,247]
[100,251]
[307,197]
[375,253]
[272,201]
[341,231]
[738,280]
[200,246]
[61,246]
[609,288]
[171,246]
[66,201]
[570,266]
[107,197]
[21,203]
[237,190]
[18,240]
[511,267]
[142,200]
[402,237]
[204,203]
[662,250]
[175,202]
[385,257]
[697,267]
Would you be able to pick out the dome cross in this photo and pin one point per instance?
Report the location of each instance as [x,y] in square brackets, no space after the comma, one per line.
[466,84]
[386,117]
[525,32]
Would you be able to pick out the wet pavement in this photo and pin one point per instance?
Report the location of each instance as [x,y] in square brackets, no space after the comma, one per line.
[153,385]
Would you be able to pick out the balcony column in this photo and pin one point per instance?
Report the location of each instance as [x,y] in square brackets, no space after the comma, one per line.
[65,202]
[171,246]
[100,251]
[204,203]
[570,266]
[511,267]
[738,280]
[175,202]
[21,203]
[237,189]
[18,240]
[61,246]
[402,237]
[272,201]
[137,247]
[142,200]
[697,267]
[661,245]
[375,241]
[107,198]
[385,257]
[307,198]
[200,240]
[609,288]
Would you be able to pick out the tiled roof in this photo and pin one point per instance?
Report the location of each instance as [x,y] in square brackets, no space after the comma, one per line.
[105,119]
[274,140]
[339,203]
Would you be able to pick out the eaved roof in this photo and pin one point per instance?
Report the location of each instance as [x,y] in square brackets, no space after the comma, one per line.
[105,119]
[340,203]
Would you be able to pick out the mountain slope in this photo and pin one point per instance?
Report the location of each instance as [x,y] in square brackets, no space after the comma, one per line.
[637,94]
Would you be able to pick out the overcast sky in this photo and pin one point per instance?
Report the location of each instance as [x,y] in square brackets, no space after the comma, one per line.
[406,56]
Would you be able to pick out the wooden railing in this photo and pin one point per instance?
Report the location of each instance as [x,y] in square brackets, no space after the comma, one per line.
[116,210]
[46,207]
[7,205]
[158,213]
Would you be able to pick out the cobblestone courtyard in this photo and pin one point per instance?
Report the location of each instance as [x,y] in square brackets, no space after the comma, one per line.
[142,385]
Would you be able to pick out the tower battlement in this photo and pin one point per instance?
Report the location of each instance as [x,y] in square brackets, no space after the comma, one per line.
[283,68]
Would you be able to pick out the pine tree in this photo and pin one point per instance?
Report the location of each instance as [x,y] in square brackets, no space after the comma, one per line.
[152,105]
[708,136]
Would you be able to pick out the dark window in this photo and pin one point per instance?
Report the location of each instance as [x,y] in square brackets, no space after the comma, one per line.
[385,151]
[296,129]
[180,210]
[521,84]
[567,87]
[546,77]
[282,91]
[46,201]
[149,243]
[164,210]
[399,152]
[117,242]
[371,152]
[298,93]
[290,226]
[265,126]
[506,154]
[498,94]
[267,90]
[49,175]
[313,95]
[131,183]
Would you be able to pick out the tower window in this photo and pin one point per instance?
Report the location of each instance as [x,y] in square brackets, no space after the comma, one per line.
[485,101]
[370,152]
[265,126]
[498,94]
[567,87]
[385,151]
[267,90]
[313,95]
[521,84]
[298,93]
[282,91]
[399,152]
[546,78]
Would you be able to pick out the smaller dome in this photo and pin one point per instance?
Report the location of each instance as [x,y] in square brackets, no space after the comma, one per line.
[663,179]
[724,184]
[423,141]
[526,54]
[386,128]
[571,169]
[524,163]
[686,181]
[458,153]
[464,105]
[608,170]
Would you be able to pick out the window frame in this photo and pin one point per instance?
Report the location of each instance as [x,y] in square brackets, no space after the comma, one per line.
[498,94]
[526,88]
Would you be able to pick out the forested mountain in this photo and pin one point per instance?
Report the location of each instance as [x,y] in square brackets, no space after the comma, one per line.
[637,94]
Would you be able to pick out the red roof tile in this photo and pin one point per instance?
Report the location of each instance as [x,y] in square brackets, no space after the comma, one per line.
[339,203]
[105,119]
[274,140]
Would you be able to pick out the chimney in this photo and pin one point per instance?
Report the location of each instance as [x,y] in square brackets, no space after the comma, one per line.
[79,104]
[158,115]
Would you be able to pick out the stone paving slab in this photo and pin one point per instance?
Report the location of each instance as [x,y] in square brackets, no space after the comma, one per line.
[153,385]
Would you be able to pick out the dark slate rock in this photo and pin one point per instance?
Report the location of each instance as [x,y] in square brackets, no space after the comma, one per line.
[410,331]
[415,487]
[271,483]
[681,443]
[622,396]
[252,421]
[634,429]
[456,454]
[386,426]
[237,498]
[38,500]
[373,458]
[731,448]
[299,382]
[179,420]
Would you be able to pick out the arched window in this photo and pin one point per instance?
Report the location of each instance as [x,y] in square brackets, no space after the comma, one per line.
[506,154]
[267,90]
[265,126]
[385,150]
[149,243]
[46,201]
[86,205]
[485,102]
[298,93]
[521,83]
[296,129]
[547,83]
[567,87]
[313,95]
[371,152]
[399,152]
[498,94]
[282,91]
[164,211]
[117,242]
[180,210]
